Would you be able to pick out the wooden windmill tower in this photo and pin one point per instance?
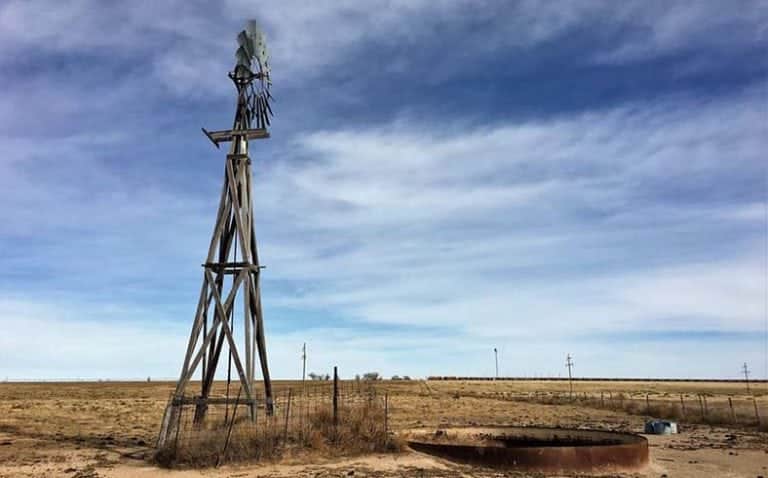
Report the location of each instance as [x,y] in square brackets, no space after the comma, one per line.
[231,270]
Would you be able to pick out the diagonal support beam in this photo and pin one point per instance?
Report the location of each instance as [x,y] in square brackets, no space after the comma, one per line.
[233,347]
[237,211]
[217,321]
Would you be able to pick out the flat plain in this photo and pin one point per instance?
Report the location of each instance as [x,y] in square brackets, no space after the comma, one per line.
[108,429]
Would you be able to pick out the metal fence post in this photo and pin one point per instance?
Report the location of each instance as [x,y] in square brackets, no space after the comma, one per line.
[335,397]
[287,415]
[386,414]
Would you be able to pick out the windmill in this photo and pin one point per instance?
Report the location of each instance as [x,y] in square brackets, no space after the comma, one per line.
[231,270]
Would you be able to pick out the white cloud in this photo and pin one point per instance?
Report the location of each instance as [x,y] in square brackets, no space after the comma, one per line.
[190,44]
[545,228]
[508,232]
[654,29]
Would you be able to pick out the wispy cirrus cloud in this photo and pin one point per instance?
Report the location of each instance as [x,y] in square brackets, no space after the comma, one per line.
[441,176]
[557,228]
[189,43]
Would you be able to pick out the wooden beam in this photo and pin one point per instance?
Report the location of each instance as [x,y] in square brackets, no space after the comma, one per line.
[230,339]
[261,343]
[218,266]
[227,135]
[247,322]
[237,211]
[221,318]
[221,219]
[212,401]
[193,336]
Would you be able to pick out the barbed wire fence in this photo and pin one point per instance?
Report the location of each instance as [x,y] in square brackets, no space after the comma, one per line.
[317,415]
[700,408]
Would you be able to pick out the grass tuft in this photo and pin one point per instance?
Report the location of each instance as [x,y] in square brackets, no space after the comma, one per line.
[359,430]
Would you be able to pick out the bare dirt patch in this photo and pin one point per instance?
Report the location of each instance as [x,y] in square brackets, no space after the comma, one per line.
[107,429]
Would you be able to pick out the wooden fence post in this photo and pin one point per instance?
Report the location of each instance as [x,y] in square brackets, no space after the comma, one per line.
[178,428]
[287,415]
[602,400]
[335,397]
[733,414]
[757,413]
[682,405]
[647,405]
[386,414]
[706,408]
[701,406]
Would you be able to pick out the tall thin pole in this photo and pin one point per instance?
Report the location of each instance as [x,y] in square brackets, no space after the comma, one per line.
[569,364]
[496,356]
[303,366]
[335,396]
[745,370]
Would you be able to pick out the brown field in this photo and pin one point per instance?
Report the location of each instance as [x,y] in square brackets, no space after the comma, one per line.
[108,429]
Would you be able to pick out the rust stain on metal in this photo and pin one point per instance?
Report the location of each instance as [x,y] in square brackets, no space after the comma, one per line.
[535,449]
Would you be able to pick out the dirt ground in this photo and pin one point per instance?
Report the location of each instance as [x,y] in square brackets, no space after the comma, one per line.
[108,429]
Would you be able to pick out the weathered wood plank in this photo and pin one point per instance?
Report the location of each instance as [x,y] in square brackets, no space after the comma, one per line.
[193,336]
[237,211]
[227,135]
[220,319]
[213,401]
[230,339]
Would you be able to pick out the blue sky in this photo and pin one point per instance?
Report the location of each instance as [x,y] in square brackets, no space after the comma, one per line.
[443,178]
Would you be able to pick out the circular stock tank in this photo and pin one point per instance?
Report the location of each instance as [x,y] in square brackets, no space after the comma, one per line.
[533,448]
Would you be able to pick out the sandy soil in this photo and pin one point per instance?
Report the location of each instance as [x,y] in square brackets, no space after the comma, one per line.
[88,430]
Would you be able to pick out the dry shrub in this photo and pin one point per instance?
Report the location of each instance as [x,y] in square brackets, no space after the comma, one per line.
[634,408]
[359,429]
[718,417]
[207,448]
[665,410]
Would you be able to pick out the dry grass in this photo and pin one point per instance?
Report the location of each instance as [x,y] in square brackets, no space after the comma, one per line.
[54,428]
[716,412]
[360,429]
[126,415]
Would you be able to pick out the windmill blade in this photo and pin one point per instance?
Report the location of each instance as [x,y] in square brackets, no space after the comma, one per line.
[246,43]
[266,116]
[242,57]
[251,116]
[259,110]
[253,66]
[252,110]
[251,27]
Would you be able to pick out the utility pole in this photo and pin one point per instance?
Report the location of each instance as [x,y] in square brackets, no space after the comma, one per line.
[496,356]
[569,364]
[303,365]
[745,370]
